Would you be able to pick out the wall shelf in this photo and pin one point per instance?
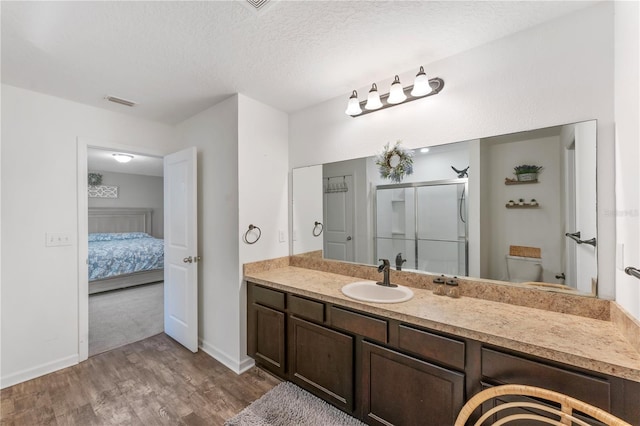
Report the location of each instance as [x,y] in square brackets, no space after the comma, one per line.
[519,182]
[524,206]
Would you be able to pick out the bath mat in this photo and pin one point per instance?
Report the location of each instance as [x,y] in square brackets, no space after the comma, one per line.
[286,405]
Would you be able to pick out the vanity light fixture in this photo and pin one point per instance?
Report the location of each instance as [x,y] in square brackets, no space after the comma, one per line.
[353,107]
[396,93]
[422,87]
[373,99]
[123,158]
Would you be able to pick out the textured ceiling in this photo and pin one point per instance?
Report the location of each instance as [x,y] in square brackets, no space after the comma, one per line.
[178,58]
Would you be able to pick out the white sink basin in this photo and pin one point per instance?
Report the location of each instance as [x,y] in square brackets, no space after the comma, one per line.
[369,291]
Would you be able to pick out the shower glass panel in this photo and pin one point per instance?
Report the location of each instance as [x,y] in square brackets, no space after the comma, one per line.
[395,224]
[441,228]
[426,223]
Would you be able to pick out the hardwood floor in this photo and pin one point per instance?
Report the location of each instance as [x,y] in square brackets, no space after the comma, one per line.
[152,382]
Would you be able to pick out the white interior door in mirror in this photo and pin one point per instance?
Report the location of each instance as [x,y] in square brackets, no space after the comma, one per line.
[338,218]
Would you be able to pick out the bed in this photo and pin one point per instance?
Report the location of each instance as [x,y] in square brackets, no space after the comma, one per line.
[122,252]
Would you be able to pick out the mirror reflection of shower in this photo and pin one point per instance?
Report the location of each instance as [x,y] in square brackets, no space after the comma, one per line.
[426,221]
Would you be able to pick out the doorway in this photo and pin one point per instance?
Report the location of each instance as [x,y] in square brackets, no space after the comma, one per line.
[126,248]
[180,213]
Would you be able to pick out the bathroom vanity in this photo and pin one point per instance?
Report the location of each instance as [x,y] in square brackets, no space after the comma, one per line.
[422,359]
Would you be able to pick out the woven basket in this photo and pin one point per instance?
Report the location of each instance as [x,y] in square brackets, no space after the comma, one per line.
[523,251]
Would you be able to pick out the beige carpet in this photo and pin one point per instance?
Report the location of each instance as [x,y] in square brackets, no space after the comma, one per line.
[120,317]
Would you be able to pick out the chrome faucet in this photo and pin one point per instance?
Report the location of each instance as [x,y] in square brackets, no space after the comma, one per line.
[385,268]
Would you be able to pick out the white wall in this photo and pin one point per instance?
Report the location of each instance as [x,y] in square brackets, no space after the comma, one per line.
[627,111]
[307,195]
[242,180]
[214,132]
[263,142]
[135,191]
[537,78]
[39,195]
[541,227]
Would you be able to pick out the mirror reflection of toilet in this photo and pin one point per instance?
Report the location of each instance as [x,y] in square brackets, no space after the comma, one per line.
[524,264]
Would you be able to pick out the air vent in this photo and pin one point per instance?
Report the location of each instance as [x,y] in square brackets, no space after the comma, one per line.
[120,101]
[257,4]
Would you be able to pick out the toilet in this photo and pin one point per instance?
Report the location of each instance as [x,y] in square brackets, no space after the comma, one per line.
[524,269]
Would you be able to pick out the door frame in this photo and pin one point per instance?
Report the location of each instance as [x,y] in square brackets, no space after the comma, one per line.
[83,145]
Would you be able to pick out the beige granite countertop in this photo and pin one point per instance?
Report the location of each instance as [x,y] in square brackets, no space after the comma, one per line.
[574,340]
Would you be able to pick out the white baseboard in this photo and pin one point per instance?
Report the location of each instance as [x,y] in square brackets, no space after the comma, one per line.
[237,366]
[40,370]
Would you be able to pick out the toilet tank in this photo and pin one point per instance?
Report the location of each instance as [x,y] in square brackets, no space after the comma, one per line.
[523,269]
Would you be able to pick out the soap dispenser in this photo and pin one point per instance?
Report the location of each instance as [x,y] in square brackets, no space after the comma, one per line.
[439,283]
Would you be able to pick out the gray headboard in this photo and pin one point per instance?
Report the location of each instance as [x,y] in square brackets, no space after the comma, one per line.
[119,220]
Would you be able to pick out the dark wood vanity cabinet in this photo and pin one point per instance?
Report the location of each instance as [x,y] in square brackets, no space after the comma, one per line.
[391,373]
[266,332]
[321,360]
[399,389]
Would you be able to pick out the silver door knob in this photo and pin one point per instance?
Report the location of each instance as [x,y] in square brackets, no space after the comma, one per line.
[188,259]
[349,238]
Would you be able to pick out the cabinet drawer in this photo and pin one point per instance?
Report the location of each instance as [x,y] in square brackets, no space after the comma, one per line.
[268,297]
[437,348]
[306,308]
[359,324]
[506,369]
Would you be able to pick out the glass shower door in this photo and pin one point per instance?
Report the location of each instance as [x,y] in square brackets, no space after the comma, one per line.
[441,228]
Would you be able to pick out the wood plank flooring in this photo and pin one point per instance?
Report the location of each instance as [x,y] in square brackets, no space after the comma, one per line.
[152,382]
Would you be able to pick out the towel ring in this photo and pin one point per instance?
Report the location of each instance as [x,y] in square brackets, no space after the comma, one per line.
[316,232]
[246,235]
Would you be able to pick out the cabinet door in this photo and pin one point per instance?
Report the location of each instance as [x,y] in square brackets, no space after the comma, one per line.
[401,390]
[321,361]
[267,333]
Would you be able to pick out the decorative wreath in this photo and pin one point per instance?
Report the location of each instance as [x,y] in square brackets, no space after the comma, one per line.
[395,162]
[95,179]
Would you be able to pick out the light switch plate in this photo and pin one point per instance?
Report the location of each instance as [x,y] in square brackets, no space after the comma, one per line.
[55,239]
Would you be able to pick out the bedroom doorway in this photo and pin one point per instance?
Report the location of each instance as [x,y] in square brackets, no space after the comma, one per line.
[126,250]
[180,310]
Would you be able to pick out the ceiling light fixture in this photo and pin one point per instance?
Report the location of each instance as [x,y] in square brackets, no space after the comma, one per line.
[422,87]
[123,158]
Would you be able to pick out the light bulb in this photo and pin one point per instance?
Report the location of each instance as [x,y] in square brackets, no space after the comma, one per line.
[353,107]
[373,100]
[421,86]
[396,93]
[123,158]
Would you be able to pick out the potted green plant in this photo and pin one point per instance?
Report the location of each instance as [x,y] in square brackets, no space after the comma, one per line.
[527,172]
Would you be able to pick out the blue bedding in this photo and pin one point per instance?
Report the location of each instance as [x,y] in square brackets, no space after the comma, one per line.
[112,254]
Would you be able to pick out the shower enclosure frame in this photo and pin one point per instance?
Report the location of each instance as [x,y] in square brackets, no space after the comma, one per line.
[441,182]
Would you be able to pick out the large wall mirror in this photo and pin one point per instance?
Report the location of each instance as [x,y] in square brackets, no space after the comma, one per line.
[463,211]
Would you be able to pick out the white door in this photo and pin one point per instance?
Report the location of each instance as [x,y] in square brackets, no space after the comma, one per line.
[338,219]
[181,248]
